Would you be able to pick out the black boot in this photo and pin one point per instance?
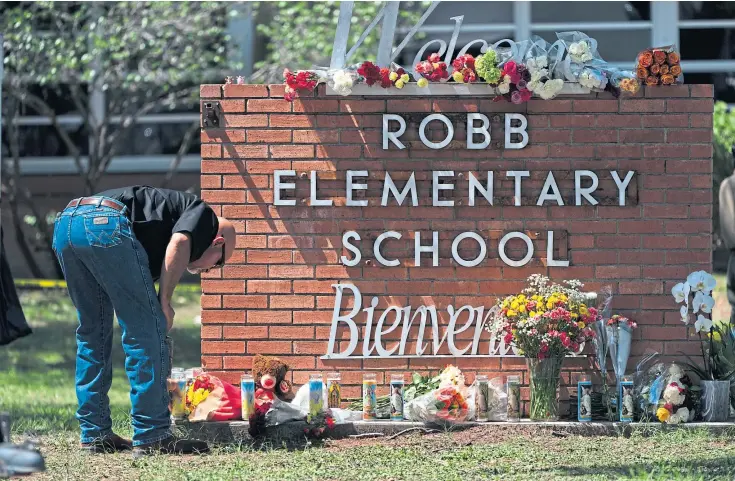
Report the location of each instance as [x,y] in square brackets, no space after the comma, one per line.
[171,445]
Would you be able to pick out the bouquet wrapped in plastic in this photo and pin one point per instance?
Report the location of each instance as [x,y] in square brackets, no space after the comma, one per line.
[659,66]
[210,399]
[573,52]
[665,393]
[452,402]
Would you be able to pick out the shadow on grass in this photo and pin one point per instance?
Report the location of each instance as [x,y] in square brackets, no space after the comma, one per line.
[722,467]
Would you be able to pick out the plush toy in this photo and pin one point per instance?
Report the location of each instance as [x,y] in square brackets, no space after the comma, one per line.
[677,407]
[270,381]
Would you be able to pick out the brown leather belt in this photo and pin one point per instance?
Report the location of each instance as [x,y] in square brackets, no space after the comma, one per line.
[94,201]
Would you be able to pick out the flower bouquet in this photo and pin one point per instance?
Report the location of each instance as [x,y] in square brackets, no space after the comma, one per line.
[545,323]
[451,402]
[666,394]
[513,86]
[487,68]
[464,69]
[301,81]
[210,399]
[717,345]
[659,66]
[317,424]
[432,70]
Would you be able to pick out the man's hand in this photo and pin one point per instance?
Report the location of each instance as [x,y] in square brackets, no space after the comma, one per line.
[168,311]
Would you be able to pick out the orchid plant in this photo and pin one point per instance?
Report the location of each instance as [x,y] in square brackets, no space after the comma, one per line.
[718,343]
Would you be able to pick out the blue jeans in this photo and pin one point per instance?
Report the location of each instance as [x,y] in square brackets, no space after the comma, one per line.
[106,271]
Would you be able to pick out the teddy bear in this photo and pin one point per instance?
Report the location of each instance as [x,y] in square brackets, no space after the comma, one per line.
[677,407]
[269,374]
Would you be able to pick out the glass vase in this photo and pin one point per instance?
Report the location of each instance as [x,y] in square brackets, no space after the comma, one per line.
[544,375]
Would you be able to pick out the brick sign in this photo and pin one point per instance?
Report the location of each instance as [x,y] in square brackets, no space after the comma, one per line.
[387,209]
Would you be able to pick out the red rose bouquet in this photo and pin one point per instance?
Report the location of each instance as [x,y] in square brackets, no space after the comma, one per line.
[300,81]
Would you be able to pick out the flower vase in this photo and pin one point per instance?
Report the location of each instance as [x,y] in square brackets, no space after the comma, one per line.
[715,401]
[544,377]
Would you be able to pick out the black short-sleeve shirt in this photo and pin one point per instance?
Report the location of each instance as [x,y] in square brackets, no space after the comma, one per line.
[156,214]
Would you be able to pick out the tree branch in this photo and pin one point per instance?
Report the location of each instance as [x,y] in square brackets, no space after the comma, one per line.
[126,122]
[183,148]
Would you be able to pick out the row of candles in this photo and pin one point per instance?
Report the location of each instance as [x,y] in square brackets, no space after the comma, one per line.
[369,395]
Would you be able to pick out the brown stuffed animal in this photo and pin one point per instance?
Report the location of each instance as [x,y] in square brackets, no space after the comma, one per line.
[270,379]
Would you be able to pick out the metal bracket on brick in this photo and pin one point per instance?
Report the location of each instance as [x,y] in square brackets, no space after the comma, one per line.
[211,114]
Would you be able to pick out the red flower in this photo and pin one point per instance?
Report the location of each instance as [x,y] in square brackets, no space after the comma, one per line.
[565,341]
[669,406]
[370,71]
[525,95]
[434,58]
[544,348]
[508,338]
[330,422]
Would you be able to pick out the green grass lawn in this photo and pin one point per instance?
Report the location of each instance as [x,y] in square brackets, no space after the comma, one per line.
[37,382]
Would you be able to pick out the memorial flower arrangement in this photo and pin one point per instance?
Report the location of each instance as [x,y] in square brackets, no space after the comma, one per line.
[464,69]
[317,424]
[210,399]
[659,66]
[545,323]
[620,321]
[515,74]
[433,69]
[487,68]
[546,319]
[303,80]
[541,82]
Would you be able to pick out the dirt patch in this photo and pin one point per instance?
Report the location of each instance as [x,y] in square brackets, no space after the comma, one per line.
[472,436]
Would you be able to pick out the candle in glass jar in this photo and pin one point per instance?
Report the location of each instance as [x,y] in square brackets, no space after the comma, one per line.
[369,396]
[334,390]
[247,396]
[514,398]
[625,399]
[396,397]
[316,399]
[584,399]
[177,388]
[481,395]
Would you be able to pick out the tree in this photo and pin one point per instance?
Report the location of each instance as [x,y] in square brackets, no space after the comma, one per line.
[301,33]
[117,60]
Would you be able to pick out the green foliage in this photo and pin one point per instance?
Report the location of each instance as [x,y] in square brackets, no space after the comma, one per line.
[418,386]
[301,34]
[136,46]
[723,124]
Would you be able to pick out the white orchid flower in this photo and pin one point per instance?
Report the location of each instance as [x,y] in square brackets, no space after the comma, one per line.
[702,302]
[702,324]
[701,281]
[684,311]
[681,292]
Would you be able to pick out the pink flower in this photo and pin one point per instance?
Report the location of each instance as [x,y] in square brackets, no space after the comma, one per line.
[565,341]
[510,68]
[508,338]
[516,98]
[544,347]
[525,94]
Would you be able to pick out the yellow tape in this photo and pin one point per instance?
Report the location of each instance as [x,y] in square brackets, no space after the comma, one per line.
[57,284]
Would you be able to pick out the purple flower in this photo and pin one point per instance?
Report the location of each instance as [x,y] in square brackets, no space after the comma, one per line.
[516,97]
[522,84]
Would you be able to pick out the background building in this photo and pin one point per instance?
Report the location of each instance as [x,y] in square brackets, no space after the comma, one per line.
[702,30]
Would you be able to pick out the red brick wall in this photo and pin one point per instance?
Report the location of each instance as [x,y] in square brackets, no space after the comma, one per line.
[275,295]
